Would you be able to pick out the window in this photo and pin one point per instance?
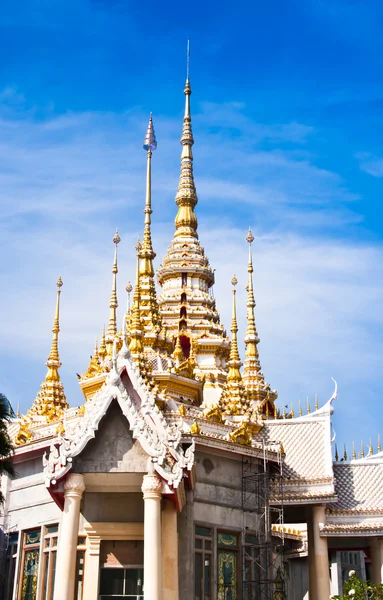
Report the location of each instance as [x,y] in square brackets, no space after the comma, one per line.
[203,543]
[80,565]
[121,583]
[184,279]
[49,561]
[10,565]
[227,559]
[30,565]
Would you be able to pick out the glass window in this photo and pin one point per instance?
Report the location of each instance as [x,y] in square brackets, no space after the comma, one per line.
[49,558]
[30,565]
[10,565]
[227,559]
[119,583]
[203,563]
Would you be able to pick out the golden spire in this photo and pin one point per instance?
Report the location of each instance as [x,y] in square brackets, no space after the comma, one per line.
[308,405]
[336,453]
[353,451]
[51,401]
[186,198]
[233,398]
[135,345]
[149,310]
[345,453]
[379,447]
[258,390]
[113,304]
[300,408]
[94,365]
[370,449]
[316,402]
[102,350]
[147,254]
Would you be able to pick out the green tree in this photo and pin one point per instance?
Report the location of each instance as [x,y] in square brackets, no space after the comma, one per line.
[6,448]
[355,589]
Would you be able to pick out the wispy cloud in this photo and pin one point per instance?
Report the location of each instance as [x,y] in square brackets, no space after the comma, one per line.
[373,165]
[67,181]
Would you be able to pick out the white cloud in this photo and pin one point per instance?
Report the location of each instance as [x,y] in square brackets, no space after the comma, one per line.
[67,182]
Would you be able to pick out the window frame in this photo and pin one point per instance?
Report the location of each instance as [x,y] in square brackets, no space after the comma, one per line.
[204,552]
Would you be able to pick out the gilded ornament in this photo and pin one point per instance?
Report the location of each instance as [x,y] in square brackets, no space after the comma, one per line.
[214,414]
[195,429]
[242,435]
[182,410]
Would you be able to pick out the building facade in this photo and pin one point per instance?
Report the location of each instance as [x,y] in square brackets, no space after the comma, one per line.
[178,478]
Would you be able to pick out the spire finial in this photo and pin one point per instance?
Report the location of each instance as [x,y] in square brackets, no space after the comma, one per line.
[129,289]
[379,447]
[188,61]
[149,312]
[258,390]
[186,198]
[336,453]
[345,453]
[300,408]
[362,449]
[102,350]
[370,449]
[135,345]
[113,304]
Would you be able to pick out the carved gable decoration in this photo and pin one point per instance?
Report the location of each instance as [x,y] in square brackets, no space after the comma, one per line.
[161,441]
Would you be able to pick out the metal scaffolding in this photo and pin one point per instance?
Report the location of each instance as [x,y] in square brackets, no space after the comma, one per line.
[262,558]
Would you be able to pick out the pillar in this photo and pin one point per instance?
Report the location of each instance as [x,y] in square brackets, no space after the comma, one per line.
[67,547]
[319,589]
[311,559]
[92,567]
[151,489]
[169,551]
[376,547]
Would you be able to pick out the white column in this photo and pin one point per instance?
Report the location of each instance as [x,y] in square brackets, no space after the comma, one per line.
[376,546]
[67,547]
[169,551]
[92,568]
[320,554]
[151,489]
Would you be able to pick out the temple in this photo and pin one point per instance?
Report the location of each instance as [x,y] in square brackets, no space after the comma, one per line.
[178,478]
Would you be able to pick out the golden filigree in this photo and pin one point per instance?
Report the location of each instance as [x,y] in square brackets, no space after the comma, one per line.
[24,434]
[242,435]
[214,414]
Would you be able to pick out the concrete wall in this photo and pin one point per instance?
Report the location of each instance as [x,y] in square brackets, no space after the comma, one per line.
[109,507]
[216,501]
[297,579]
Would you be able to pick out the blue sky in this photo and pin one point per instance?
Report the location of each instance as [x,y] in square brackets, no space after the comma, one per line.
[287,115]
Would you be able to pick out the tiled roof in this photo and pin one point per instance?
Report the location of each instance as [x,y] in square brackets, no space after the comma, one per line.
[359,487]
[306,444]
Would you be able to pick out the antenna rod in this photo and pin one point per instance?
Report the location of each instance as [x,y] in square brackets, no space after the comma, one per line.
[188,60]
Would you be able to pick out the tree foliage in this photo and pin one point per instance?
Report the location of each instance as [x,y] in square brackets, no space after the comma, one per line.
[355,589]
[6,448]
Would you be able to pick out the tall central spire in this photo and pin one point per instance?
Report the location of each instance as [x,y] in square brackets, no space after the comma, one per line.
[186,198]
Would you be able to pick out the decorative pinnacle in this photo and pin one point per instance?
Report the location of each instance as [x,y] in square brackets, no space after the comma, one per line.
[250,237]
[147,255]
[129,289]
[234,354]
[113,304]
[150,142]
[135,345]
[54,353]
